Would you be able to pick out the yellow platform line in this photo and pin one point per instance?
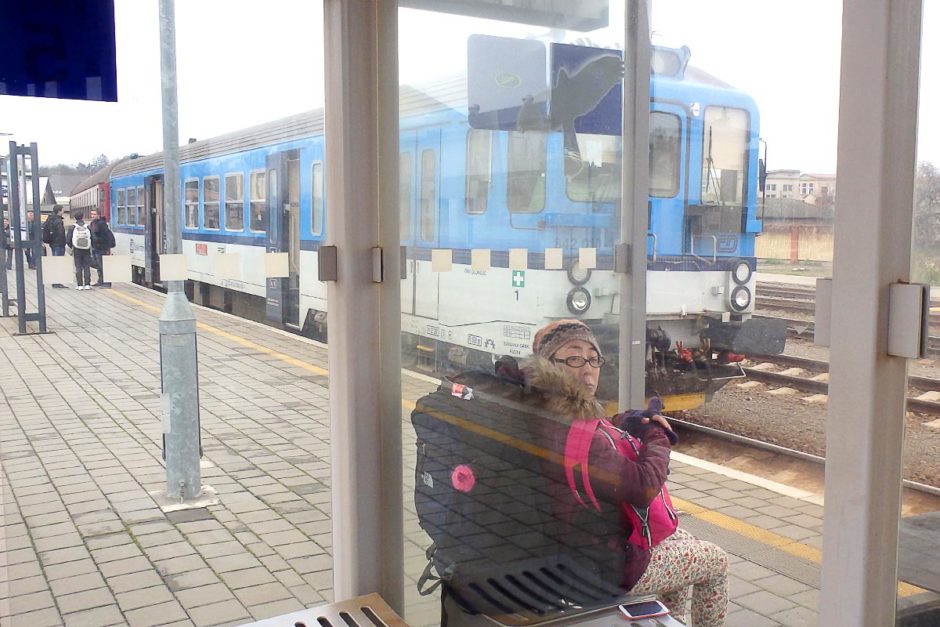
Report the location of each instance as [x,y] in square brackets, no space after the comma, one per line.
[744,529]
[237,339]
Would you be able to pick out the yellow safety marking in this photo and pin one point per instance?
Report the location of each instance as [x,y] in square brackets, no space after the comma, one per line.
[293,361]
[718,519]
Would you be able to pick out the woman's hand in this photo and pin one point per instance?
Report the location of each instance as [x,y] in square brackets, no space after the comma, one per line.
[661,420]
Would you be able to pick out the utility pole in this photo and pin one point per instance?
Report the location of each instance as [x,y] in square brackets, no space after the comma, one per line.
[178,365]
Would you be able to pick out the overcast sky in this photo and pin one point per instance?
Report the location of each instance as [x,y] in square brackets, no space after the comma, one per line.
[243,62]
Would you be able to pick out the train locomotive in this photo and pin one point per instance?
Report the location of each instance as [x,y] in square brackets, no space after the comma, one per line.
[528,189]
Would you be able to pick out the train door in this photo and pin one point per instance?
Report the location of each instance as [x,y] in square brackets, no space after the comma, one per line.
[154,228]
[668,179]
[425,223]
[283,209]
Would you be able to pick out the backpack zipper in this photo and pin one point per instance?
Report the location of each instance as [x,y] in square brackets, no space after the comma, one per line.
[644,519]
[672,514]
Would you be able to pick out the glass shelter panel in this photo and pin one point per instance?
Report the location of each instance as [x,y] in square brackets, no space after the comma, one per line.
[919,525]
[234,377]
[521,300]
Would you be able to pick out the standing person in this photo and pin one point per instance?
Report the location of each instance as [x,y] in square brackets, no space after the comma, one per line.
[53,233]
[30,237]
[9,243]
[102,241]
[79,240]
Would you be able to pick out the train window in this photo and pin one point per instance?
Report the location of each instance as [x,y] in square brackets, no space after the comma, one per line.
[258,206]
[526,169]
[131,206]
[141,211]
[234,202]
[121,208]
[316,206]
[404,194]
[210,202]
[479,145]
[428,195]
[191,200]
[665,154]
[724,155]
[598,178]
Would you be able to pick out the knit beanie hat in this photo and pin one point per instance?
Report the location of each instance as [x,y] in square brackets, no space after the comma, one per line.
[556,334]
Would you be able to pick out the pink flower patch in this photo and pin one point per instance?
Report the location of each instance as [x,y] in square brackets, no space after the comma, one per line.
[462,478]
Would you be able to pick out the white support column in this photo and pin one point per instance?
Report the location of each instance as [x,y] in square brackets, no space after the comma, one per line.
[865,429]
[361,54]
[634,217]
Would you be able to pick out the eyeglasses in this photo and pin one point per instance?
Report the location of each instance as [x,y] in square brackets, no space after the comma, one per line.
[577,361]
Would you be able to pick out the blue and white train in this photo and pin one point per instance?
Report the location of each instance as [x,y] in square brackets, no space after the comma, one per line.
[471,181]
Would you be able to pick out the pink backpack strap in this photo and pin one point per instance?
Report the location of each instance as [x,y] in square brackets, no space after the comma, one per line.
[577,451]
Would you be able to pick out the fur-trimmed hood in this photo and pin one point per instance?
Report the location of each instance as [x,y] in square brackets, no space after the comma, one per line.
[559,391]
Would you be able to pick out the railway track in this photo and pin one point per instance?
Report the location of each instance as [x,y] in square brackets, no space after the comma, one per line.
[818,381]
[716,437]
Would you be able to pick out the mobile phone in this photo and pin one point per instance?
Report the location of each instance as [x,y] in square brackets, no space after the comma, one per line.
[644,609]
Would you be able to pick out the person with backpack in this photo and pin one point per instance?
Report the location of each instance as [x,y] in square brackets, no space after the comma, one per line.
[53,234]
[79,240]
[30,238]
[605,477]
[102,241]
[678,561]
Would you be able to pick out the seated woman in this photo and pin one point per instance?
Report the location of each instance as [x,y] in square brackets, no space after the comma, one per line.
[566,366]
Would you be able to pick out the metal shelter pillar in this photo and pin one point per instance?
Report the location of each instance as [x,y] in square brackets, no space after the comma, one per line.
[4,287]
[364,318]
[179,370]
[634,217]
[865,427]
[19,207]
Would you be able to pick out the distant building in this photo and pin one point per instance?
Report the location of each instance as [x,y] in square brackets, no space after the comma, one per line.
[810,188]
[47,197]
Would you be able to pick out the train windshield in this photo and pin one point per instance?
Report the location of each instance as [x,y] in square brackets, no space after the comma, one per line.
[598,179]
[724,156]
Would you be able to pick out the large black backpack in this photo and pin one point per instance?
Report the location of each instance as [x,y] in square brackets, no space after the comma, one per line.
[509,539]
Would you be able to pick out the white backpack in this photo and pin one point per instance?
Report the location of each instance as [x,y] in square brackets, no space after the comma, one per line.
[81,237]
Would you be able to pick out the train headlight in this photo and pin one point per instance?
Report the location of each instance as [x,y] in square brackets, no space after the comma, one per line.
[577,275]
[741,273]
[579,300]
[740,298]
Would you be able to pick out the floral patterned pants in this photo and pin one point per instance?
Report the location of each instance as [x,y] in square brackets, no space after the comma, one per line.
[682,561]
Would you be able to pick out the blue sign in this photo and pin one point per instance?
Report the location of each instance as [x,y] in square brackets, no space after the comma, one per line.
[55,49]
[587,88]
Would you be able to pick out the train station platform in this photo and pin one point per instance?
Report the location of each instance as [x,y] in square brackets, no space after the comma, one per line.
[84,542]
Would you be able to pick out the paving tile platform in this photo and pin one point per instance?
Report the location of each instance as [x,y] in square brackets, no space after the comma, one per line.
[83,542]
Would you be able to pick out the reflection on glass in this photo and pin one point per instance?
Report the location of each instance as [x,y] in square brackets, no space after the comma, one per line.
[258,207]
[404,194]
[428,198]
[211,202]
[234,202]
[141,213]
[479,175]
[191,203]
[665,158]
[316,219]
[725,150]
[526,171]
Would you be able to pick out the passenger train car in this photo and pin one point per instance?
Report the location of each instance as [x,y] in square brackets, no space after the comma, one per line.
[94,192]
[544,186]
